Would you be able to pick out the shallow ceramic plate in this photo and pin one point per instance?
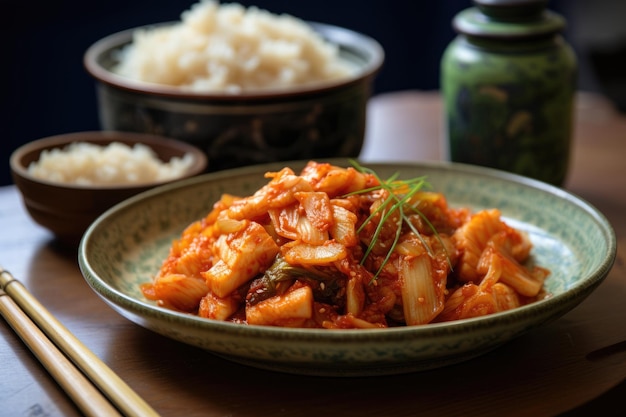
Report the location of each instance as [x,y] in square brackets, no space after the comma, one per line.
[125,247]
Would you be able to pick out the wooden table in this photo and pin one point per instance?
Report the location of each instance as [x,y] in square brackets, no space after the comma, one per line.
[574,365]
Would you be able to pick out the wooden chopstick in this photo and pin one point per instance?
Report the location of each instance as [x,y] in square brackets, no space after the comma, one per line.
[74,383]
[109,383]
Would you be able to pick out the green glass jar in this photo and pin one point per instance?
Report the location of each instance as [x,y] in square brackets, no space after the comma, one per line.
[508,80]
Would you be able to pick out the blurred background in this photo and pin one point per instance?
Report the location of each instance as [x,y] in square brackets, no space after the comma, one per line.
[47,90]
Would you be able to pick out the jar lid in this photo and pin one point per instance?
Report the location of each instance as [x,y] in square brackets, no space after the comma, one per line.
[508,19]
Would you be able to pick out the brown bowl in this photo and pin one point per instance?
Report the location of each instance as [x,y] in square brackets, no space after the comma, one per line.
[68,209]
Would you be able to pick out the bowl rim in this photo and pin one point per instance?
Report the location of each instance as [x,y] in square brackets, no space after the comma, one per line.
[198,166]
[556,304]
[343,37]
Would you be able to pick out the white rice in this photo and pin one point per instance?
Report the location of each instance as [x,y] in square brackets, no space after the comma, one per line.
[83,163]
[228,48]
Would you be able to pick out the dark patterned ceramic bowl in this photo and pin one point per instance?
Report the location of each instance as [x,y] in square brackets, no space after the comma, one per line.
[248,128]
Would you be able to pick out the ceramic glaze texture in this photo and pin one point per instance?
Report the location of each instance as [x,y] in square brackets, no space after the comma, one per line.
[324,120]
[124,248]
[509,92]
[235,134]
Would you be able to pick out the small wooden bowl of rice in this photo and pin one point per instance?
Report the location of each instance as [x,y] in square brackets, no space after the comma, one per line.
[244,85]
[67,181]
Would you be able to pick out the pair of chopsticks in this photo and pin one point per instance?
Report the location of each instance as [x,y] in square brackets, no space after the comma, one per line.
[89,382]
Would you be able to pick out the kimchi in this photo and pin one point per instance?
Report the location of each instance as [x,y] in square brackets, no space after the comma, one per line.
[340,248]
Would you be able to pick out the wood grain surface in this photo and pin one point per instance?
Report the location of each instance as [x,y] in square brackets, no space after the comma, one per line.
[573,366]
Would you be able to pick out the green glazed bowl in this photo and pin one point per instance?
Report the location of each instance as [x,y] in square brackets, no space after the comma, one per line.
[125,246]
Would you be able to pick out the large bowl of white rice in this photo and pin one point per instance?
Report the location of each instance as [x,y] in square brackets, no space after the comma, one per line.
[245,85]
[68,180]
